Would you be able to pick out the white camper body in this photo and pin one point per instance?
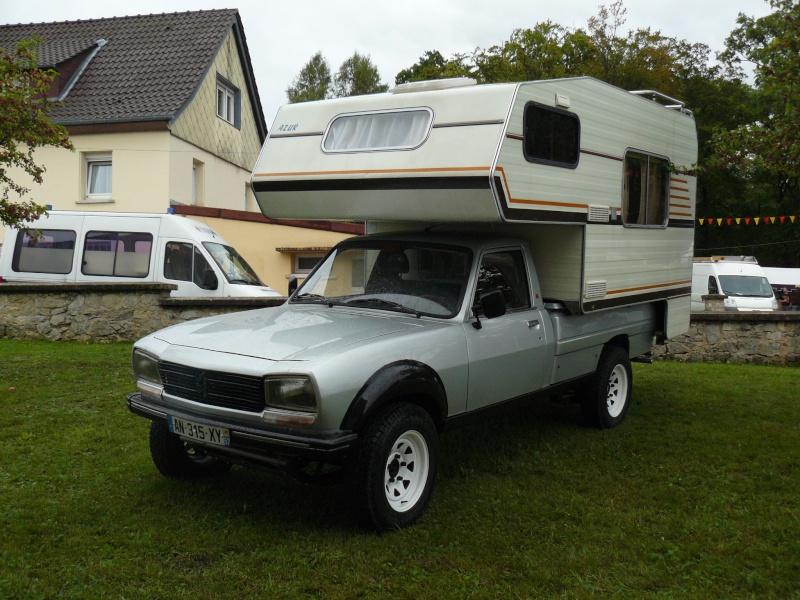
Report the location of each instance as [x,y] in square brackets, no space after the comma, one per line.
[106,247]
[609,221]
[740,278]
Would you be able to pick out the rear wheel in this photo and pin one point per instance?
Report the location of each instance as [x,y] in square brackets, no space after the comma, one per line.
[395,467]
[178,459]
[608,394]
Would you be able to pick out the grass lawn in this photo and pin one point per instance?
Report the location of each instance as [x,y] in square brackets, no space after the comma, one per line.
[696,495]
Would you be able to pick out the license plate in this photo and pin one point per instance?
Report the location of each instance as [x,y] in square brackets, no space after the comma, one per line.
[197,431]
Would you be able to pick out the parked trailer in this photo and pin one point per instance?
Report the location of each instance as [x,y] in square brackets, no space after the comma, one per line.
[529,240]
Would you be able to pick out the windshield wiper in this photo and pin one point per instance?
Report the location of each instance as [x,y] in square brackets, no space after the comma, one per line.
[313,298]
[385,304]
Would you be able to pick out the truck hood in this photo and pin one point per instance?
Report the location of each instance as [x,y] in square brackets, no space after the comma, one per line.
[288,332]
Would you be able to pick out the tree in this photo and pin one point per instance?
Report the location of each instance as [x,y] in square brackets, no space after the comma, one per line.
[313,82]
[24,126]
[432,65]
[357,76]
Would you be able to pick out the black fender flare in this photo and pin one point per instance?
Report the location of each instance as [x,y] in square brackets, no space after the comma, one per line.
[396,380]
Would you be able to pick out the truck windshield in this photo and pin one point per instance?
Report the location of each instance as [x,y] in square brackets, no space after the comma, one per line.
[402,277]
[233,266]
[745,285]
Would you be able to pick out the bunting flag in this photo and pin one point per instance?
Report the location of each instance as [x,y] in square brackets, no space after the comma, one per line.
[734,221]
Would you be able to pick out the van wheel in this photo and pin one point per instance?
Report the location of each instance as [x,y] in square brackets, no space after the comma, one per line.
[175,458]
[395,466]
[609,391]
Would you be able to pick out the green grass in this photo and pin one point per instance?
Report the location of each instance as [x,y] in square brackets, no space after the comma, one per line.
[697,495]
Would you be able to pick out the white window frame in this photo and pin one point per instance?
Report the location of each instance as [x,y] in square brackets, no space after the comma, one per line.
[92,162]
[228,98]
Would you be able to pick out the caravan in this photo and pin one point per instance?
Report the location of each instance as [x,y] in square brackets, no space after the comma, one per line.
[529,240]
[106,247]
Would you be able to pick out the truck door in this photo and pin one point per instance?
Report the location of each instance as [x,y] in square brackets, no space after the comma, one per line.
[508,354]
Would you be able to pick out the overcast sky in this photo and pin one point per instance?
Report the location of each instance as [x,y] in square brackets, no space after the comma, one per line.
[282,36]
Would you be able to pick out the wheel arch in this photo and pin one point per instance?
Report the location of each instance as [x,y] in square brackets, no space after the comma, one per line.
[406,380]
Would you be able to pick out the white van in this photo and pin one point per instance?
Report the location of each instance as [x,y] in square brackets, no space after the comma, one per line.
[103,247]
[740,278]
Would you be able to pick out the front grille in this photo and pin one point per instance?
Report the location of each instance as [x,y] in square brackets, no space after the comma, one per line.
[226,390]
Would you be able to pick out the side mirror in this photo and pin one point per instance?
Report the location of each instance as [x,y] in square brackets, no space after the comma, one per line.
[712,286]
[292,285]
[209,280]
[493,304]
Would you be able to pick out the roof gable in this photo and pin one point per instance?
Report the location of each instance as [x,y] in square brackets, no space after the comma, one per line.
[148,69]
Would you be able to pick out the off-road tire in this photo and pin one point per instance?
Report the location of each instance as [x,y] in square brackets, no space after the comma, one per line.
[608,394]
[394,469]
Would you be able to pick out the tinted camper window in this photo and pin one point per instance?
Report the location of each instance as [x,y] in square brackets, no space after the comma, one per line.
[551,136]
[646,190]
[117,253]
[49,252]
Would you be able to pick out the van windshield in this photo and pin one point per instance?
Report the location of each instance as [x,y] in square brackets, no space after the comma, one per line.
[745,285]
[233,266]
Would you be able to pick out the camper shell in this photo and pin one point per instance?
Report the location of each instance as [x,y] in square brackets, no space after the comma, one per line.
[527,241]
[739,278]
[105,247]
[485,156]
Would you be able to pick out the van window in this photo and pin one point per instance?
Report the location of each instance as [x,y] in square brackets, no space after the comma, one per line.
[49,252]
[551,136]
[645,190]
[395,130]
[185,262]
[117,253]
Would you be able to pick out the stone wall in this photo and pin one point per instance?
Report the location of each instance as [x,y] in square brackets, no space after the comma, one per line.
[738,337]
[126,312]
[92,312]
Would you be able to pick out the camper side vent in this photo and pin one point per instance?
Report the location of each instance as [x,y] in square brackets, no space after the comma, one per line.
[595,289]
[599,214]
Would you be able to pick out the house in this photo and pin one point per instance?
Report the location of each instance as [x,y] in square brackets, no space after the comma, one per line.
[164,111]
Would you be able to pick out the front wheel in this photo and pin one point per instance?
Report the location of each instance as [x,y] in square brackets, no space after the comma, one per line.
[177,459]
[395,467]
[609,391]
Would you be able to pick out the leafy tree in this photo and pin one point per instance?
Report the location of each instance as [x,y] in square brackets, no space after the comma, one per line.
[357,76]
[432,65]
[313,82]
[24,126]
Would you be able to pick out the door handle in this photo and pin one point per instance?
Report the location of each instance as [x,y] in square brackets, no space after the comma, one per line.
[533,323]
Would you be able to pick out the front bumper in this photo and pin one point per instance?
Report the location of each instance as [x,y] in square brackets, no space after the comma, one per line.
[268,446]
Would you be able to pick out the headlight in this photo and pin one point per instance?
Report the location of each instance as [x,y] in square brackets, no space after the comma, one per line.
[145,367]
[291,393]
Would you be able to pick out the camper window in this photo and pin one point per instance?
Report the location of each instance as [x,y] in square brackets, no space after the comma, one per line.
[117,253]
[645,190]
[395,130]
[551,136]
[45,251]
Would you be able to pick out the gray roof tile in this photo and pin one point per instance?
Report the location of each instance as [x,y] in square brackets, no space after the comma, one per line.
[148,69]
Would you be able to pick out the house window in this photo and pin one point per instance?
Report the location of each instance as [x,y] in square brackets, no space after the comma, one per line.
[228,102]
[646,190]
[198,183]
[551,136]
[305,263]
[98,176]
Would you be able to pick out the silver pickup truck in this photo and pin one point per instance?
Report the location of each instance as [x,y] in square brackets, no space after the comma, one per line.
[391,340]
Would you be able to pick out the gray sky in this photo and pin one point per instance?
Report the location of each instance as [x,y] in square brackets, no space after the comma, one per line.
[282,36]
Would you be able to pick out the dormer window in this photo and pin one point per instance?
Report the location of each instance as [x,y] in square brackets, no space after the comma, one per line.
[228,102]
